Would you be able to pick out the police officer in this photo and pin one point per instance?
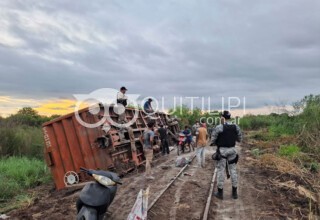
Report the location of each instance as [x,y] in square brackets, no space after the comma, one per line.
[225,136]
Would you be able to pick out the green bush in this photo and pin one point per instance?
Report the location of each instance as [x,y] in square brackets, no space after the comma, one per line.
[18,173]
[27,116]
[21,135]
[21,141]
[290,151]
[253,122]
[309,125]
[279,123]
[280,130]
[188,117]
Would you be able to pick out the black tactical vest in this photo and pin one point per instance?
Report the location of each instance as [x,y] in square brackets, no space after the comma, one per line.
[228,137]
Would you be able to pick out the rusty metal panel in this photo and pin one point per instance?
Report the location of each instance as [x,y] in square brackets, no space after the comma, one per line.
[73,143]
[69,145]
[84,143]
[63,146]
[52,151]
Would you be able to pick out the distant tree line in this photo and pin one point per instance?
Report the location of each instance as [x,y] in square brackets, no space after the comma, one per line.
[21,135]
[26,116]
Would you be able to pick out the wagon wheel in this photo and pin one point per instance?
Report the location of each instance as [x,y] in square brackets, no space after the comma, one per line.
[70,178]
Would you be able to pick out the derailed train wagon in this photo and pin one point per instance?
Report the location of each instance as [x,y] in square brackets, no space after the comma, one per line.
[69,145]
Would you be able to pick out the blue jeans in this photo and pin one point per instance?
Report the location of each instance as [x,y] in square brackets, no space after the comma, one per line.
[201,156]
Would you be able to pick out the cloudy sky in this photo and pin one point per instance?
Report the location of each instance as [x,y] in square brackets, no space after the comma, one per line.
[266,51]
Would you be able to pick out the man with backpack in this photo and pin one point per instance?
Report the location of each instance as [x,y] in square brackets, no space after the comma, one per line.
[225,137]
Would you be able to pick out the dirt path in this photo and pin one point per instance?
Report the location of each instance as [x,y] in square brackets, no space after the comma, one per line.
[186,192]
[245,206]
[185,199]
[258,197]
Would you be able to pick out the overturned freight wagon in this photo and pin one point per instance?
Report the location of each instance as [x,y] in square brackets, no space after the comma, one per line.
[69,145]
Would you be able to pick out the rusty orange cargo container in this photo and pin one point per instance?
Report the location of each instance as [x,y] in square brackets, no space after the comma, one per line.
[69,145]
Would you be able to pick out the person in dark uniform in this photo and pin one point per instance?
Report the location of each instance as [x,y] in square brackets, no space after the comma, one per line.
[163,134]
[225,137]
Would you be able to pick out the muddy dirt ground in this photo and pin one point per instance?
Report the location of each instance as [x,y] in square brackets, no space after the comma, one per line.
[185,199]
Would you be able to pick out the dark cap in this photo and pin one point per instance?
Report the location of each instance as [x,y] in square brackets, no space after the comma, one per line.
[150,99]
[123,88]
[226,114]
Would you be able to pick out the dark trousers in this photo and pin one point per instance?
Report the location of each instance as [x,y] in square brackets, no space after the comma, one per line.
[165,146]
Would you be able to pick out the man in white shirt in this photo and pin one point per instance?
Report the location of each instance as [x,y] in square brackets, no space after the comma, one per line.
[122,99]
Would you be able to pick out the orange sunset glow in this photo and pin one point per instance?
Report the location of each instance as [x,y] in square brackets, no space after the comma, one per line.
[10,105]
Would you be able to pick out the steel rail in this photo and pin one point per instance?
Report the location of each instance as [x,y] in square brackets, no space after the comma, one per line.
[169,184]
[206,210]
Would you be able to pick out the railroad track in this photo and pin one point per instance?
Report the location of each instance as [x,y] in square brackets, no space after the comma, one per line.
[208,203]
[172,194]
[169,184]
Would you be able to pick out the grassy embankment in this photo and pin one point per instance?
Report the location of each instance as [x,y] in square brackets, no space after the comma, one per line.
[21,158]
[289,147]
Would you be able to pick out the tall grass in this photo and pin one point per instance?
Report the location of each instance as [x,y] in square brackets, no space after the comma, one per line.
[21,135]
[252,122]
[21,156]
[309,121]
[19,173]
[276,123]
[21,140]
[304,128]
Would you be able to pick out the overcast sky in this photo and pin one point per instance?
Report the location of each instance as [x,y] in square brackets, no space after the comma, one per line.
[265,50]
